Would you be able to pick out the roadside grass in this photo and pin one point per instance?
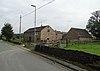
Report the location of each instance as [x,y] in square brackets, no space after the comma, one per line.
[10,43]
[29,46]
[13,42]
[92,48]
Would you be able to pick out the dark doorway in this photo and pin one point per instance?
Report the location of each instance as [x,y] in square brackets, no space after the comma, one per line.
[30,39]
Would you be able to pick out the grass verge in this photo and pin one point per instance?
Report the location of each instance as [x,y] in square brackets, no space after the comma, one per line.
[92,48]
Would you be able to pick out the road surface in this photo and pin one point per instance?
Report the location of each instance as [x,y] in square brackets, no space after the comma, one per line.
[13,58]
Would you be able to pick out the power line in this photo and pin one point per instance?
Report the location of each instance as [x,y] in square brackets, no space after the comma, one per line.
[31,11]
[38,8]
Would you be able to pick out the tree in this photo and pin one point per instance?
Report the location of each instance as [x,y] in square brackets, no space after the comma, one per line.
[7,31]
[93,25]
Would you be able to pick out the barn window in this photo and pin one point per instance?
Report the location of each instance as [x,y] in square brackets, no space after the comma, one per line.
[48,30]
[47,38]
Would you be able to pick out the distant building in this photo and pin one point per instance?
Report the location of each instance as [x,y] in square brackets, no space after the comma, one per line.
[18,36]
[43,34]
[76,34]
[58,35]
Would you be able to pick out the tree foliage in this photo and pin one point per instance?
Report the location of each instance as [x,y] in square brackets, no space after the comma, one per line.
[7,31]
[94,24]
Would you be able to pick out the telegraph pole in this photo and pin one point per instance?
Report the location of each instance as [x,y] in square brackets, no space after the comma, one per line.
[20,28]
[34,24]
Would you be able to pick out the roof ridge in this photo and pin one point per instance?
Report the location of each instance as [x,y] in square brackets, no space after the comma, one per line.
[37,28]
[78,28]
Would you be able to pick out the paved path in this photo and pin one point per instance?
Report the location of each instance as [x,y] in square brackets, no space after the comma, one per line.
[13,58]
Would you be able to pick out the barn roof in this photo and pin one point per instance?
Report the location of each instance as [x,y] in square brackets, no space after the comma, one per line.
[38,29]
[81,32]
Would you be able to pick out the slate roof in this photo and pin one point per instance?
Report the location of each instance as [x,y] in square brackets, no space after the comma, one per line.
[81,32]
[38,29]
[58,32]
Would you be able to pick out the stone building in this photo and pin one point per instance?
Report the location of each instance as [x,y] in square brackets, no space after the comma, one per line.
[76,34]
[43,34]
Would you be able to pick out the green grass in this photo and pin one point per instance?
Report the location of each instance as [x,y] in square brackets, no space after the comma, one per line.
[93,48]
[29,46]
[11,43]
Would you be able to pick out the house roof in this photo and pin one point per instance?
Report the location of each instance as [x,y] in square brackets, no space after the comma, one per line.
[81,32]
[38,29]
[58,32]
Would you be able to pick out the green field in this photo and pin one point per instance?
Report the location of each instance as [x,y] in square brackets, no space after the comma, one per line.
[93,48]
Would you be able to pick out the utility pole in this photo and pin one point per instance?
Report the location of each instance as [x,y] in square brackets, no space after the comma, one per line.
[34,24]
[20,28]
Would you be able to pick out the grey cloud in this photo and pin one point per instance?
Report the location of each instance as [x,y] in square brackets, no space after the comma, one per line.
[61,14]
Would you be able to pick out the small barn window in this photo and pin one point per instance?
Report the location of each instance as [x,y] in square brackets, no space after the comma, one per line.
[47,38]
[48,30]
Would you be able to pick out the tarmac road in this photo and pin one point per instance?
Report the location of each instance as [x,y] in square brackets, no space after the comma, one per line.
[13,58]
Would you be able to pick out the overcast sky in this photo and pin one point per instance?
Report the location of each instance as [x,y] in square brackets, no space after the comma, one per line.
[61,15]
